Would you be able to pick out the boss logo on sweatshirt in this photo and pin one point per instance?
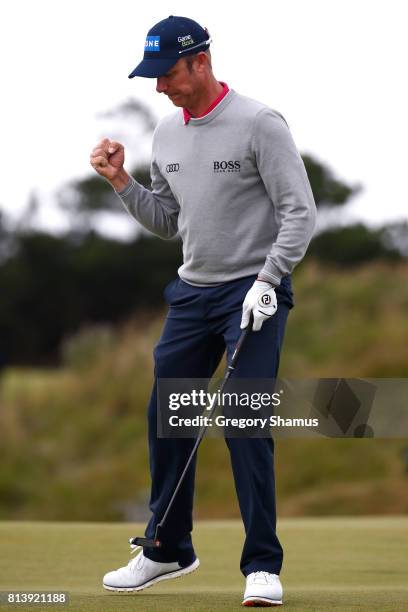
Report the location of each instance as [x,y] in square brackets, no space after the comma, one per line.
[227,166]
[172,168]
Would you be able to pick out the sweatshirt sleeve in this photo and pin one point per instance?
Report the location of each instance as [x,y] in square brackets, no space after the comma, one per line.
[283,173]
[156,210]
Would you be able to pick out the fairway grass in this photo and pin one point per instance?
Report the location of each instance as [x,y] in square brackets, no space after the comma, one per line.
[345,564]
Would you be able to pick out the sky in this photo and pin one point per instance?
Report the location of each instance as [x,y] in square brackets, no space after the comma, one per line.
[336,69]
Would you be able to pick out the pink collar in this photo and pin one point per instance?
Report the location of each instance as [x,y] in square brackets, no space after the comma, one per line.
[187,115]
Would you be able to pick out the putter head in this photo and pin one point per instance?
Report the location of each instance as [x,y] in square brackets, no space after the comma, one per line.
[147,542]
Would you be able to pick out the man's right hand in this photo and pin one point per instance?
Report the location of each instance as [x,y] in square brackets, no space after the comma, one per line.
[107,158]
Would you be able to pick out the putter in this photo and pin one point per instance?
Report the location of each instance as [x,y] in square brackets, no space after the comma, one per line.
[156,541]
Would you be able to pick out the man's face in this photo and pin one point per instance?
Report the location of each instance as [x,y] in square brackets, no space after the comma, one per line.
[179,84]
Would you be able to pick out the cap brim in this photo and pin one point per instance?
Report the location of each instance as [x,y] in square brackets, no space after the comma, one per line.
[153,68]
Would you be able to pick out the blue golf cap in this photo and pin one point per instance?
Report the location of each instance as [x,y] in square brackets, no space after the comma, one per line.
[168,41]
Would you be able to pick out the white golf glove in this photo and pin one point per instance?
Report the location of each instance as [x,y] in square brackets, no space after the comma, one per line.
[261,301]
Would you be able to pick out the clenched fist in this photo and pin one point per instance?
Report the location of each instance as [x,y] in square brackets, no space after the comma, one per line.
[107,158]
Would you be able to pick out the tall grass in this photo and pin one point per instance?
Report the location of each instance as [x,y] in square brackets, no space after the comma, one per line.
[73,440]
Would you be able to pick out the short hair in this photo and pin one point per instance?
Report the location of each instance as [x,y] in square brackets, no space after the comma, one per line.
[190,59]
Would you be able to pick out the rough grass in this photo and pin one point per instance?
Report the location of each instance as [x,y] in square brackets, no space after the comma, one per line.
[330,563]
[349,322]
[73,440]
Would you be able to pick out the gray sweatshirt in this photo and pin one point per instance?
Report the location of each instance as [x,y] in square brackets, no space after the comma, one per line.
[234,186]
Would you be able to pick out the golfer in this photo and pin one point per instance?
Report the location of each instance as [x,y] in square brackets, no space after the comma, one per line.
[227,177]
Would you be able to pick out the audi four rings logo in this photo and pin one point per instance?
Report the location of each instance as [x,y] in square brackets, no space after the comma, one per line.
[266,299]
[172,167]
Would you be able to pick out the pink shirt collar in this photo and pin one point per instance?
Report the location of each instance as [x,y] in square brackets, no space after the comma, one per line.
[187,115]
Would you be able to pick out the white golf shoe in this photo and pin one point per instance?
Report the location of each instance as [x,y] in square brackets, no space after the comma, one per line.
[141,573]
[262,590]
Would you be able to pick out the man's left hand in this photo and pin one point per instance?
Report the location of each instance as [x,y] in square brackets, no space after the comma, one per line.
[261,301]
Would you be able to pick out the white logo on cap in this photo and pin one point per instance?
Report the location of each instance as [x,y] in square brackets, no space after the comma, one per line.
[185,40]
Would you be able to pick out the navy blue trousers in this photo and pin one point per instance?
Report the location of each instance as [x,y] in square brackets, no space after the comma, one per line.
[201,323]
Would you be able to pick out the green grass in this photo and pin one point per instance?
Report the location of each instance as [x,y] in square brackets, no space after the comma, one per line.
[330,563]
[71,437]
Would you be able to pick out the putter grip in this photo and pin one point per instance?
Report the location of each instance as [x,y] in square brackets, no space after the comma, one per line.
[241,340]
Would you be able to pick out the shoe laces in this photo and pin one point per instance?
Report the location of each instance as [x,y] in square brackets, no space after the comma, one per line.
[136,562]
[264,576]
